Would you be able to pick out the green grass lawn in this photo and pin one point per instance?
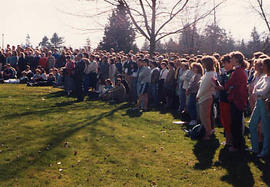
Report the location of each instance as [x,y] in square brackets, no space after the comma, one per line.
[46,139]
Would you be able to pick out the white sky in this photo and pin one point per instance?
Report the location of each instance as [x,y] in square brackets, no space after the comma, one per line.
[44,17]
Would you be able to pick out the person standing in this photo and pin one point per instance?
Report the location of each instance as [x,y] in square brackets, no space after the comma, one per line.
[237,88]
[51,61]
[78,77]
[154,82]
[262,92]
[205,94]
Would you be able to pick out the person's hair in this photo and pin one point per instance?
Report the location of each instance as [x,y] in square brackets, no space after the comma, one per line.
[198,66]
[263,56]
[216,55]
[85,55]
[171,64]
[108,81]
[258,62]
[239,57]
[209,63]
[22,54]
[154,63]
[186,65]
[266,62]
[225,58]
[256,55]
[164,63]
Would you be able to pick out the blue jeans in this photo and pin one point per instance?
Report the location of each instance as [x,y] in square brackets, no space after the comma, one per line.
[182,100]
[260,114]
[192,106]
[86,82]
[154,92]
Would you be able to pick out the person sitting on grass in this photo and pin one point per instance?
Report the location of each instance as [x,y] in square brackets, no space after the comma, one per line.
[115,94]
[9,72]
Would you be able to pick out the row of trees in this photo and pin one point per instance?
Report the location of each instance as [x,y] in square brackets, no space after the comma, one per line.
[120,35]
[55,41]
[212,39]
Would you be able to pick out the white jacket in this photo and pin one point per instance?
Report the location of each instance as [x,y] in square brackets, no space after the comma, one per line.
[207,87]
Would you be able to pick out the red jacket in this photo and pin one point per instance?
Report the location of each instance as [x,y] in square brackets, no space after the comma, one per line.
[237,85]
[43,62]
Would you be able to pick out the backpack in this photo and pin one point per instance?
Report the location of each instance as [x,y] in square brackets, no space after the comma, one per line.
[197,132]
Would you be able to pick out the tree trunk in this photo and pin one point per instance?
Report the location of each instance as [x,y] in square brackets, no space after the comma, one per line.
[152,45]
[153,29]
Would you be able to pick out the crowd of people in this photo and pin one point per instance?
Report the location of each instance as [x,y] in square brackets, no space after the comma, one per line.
[209,89]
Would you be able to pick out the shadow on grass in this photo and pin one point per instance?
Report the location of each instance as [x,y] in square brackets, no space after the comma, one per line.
[236,164]
[15,167]
[132,113]
[56,94]
[265,168]
[205,152]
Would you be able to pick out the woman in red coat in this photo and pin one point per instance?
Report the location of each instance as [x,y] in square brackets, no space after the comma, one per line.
[238,97]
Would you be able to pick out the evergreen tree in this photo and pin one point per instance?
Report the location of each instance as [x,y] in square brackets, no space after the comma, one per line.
[189,40]
[255,43]
[45,42]
[56,40]
[119,33]
[27,41]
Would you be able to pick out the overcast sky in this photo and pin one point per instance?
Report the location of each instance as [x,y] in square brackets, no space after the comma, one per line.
[44,17]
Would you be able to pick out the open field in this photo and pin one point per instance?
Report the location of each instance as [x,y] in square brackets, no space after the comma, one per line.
[46,139]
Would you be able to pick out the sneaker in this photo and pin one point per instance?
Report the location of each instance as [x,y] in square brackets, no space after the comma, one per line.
[261,155]
[192,123]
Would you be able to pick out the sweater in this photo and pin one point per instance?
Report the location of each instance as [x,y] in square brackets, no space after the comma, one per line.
[262,88]
[207,87]
[237,86]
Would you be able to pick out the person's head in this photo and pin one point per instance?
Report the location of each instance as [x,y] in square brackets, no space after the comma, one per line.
[226,62]
[266,66]
[185,65]
[79,57]
[197,68]
[257,55]
[49,53]
[153,64]
[27,67]
[145,62]
[238,59]
[163,65]
[217,56]
[118,81]
[22,55]
[51,75]
[258,66]
[208,63]
[171,65]
[38,71]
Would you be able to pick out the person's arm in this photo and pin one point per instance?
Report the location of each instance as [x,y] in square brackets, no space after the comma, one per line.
[262,92]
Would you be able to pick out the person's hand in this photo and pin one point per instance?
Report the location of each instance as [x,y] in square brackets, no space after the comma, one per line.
[187,92]
[197,98]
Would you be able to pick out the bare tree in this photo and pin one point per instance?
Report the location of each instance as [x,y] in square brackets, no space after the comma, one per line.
[260,8]
[157,19]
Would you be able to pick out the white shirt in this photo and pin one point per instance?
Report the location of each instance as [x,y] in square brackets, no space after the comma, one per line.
[262,88]
[163,74]
[207,88]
